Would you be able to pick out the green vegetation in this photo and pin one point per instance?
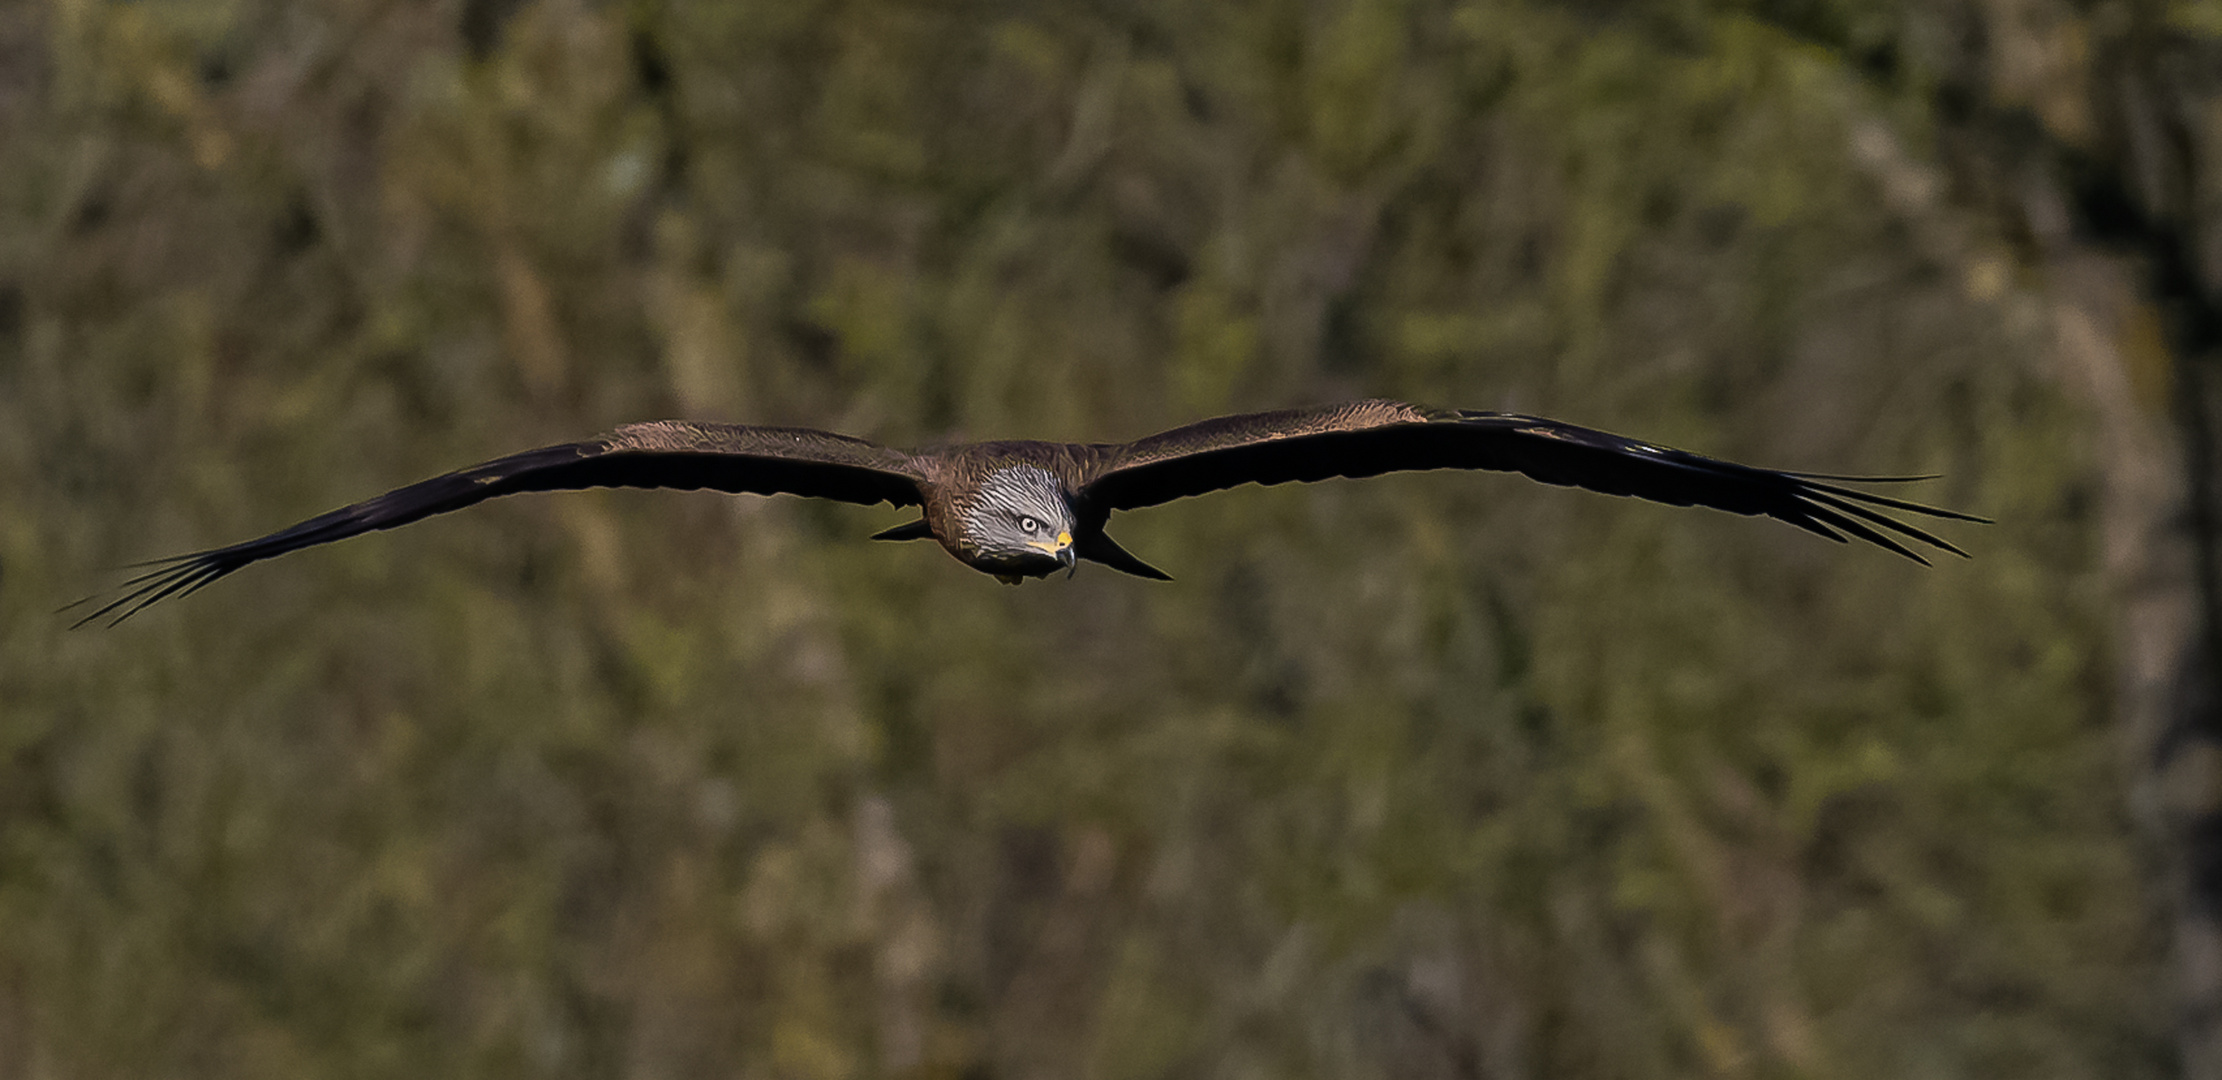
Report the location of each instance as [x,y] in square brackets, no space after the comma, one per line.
[1429,776]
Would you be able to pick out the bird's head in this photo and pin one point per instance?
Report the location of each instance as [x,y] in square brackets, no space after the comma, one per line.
[1020,523]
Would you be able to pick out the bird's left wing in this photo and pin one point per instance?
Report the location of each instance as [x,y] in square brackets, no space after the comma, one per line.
[1367,438]
[662,454]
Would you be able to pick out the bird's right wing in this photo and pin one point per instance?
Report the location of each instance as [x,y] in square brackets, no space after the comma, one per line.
[1367,438]
[661,454]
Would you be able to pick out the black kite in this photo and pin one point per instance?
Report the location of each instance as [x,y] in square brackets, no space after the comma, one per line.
[1029,509]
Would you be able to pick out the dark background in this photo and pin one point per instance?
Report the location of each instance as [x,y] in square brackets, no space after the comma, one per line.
[1426,776]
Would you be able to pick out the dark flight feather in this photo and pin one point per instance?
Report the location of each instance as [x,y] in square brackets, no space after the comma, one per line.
[663,454]
[1367,438]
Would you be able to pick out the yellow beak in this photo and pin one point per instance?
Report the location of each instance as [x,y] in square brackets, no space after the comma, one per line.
[1057,546]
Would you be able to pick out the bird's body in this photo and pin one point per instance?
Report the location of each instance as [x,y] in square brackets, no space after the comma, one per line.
[1019,509]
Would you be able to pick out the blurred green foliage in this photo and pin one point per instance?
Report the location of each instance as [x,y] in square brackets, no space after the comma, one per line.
[1431,775]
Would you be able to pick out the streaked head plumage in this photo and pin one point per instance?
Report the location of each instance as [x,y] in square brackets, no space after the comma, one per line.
[1020,519]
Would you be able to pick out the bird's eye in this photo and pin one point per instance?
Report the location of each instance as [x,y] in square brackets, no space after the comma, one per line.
[1030,525]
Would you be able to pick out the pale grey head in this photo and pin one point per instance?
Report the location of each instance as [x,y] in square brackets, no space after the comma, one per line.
[1020,521]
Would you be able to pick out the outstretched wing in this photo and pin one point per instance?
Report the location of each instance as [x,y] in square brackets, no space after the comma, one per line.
[1367,438]
[662,454]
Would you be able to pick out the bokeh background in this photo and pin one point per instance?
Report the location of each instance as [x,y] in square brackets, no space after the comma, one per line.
[1427,776]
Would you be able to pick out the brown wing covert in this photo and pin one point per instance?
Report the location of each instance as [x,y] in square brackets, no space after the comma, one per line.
[662,454]
[1368,438]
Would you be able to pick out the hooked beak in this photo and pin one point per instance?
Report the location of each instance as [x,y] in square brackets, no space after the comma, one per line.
[1062,549]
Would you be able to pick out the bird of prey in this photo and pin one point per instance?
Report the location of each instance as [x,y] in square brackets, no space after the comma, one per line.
[1023,509]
